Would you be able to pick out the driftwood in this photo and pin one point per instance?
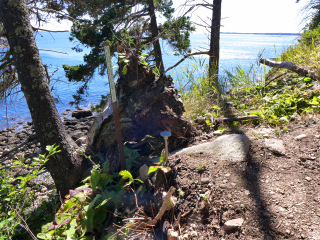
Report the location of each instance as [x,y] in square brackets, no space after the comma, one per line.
[290,66]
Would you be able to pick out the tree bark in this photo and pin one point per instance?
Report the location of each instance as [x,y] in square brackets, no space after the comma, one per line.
[66,168]
[155,33]
[290,66]
[214,51]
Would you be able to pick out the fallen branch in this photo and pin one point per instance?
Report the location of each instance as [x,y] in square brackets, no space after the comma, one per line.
[163,209]
[236,118]
[290,66]
[185,57]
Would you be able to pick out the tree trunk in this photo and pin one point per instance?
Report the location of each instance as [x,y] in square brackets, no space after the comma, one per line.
[66,168]
[156,42]
[214,51]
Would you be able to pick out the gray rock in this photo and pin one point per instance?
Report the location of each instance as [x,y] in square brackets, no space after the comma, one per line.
[68,110]
[232,224]
[302,136]
[200,120]
[81,141]
[81,113]
[205,180]
[308,179]
[143,172]
[275,145]
[3,138]
[217,133]
[232,147]
[65,113]
[77,134]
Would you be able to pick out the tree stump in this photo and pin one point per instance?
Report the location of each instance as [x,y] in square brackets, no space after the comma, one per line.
[148,104]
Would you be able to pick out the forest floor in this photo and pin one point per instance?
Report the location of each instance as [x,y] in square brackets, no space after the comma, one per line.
[277,196]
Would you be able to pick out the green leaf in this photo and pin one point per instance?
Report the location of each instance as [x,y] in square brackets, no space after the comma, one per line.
[90,213]
[63,218]
[103,203]
[125,174]
[95,177]
[124,70]
[144,63]
[99,216]
[152,169]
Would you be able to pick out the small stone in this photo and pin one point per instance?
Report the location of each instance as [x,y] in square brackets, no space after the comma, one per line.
[143,172]
[205,180]
[68,110]
[227,175]
[266,136]
[269,238]
[217,133]
[266,214]
[232,224]
[65,113]
[317,136]
[308,179]
[44,189]
[275,145]
[20,123]
[302,136]
[247,192]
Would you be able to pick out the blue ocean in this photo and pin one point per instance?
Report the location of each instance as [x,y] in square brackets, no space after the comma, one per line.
[235,49]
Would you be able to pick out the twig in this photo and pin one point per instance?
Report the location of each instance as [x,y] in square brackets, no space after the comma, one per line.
[236,118]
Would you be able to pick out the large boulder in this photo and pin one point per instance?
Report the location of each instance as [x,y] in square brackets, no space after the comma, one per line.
[232,147]
[81,113]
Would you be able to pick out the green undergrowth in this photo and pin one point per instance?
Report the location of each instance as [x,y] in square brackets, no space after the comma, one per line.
[276,96]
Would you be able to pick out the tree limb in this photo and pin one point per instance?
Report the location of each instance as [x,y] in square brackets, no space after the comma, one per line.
[185,57]
[290,66]
[236,118]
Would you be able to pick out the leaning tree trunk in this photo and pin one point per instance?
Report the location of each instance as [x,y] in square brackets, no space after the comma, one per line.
[155,39]
[149,108]
[65,167]
[214,51]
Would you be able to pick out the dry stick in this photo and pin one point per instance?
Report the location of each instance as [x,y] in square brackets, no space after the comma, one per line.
[236,118]
[163,209]
[290,66]
[274,78]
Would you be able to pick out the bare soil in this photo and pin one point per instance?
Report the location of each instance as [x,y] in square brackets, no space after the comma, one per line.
[277,196]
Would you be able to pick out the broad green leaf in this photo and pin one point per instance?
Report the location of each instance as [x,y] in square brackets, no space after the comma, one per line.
[144,63]
[90,213]
[124,70]
[125,174]
[99,216]
[103,203]
[63,218]
[152,169]
[95,177]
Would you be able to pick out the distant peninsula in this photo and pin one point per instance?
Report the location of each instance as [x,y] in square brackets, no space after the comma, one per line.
[294,34]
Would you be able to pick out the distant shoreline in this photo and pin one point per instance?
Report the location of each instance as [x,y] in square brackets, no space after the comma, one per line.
[291,34]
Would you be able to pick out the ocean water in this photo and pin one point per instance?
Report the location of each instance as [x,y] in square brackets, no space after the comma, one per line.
[235,49]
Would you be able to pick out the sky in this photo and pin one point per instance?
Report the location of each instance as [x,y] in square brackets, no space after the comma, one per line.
[243,16]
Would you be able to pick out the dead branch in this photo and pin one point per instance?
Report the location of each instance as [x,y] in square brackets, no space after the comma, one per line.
[290,66]
[236,118]
[185,57]
[163,209]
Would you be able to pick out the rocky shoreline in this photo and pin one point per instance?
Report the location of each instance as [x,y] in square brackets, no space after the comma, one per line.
[24,143]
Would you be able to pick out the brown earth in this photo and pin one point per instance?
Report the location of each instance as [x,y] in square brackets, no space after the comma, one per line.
[277,196]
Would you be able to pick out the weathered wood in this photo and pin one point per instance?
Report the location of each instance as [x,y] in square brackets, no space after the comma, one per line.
[148,109]
[290,66]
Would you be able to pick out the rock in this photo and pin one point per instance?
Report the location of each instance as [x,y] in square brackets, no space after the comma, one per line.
[29,123]
[44,189]
[302,136]
[143,172]
[317,136]
[200,120]
[217,133]
[81,141]
[308,179]
[205,180]
[81,113]
[20,123]
[232,224]
[269,238]
[172,235]
[275,145]
[3,138]
[76,135]
[232,147]
[65,113]
[68,110]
